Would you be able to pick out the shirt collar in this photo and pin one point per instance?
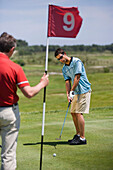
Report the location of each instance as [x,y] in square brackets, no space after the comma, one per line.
[3,55]
[70,62]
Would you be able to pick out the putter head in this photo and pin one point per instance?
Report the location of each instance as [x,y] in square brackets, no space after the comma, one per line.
[58,138]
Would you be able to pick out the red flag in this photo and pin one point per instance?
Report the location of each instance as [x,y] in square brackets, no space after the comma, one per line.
[63,21]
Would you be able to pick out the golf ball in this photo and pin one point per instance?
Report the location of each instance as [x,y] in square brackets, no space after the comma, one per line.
[54,154]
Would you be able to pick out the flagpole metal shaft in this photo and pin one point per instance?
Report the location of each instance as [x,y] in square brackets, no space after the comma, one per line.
[44,105]
[46,62]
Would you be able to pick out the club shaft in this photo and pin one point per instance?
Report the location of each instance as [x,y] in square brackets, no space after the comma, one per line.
[64,119]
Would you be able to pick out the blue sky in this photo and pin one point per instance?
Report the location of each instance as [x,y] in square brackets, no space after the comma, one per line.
[27,20]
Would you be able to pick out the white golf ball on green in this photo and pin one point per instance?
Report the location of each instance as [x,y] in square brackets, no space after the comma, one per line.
[54,154]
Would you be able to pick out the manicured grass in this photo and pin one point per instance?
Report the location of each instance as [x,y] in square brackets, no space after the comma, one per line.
[97,154]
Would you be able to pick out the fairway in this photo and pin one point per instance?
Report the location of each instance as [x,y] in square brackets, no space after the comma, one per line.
[97,154]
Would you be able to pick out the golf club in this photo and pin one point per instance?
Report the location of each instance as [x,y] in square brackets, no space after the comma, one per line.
[64,122]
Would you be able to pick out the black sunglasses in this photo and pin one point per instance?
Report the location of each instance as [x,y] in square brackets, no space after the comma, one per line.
[60,57]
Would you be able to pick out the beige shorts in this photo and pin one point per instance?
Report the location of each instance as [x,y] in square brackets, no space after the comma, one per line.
[81,103]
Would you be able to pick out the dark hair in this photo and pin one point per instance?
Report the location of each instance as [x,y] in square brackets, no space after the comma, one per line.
[59,51]
[7,42]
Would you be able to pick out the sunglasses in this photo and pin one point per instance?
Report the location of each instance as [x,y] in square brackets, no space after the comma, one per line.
[60,57]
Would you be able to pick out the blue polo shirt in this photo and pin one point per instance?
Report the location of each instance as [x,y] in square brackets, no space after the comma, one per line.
[76,67]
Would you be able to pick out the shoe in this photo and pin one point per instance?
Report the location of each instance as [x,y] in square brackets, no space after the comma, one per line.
[78,142]
[75,137]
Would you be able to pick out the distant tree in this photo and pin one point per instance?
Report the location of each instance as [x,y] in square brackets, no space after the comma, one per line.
[109,47]
[24,49]
[53,47]
[21,43]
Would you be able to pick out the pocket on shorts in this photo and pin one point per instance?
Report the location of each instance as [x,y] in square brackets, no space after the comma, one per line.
[10,115]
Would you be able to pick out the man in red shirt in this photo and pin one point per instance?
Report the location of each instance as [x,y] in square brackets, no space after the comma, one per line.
[11,76]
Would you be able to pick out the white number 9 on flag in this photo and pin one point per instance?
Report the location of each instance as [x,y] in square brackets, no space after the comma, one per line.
[70,23]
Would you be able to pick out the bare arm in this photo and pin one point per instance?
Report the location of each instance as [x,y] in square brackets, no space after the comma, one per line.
[68,88]
[76,81]
[29,91]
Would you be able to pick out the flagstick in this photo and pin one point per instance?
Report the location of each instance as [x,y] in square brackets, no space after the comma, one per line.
[44,103]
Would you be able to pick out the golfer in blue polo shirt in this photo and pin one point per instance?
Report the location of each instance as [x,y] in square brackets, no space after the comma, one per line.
[78,90]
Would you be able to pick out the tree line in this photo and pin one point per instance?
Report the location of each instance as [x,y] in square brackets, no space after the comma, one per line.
[24,49]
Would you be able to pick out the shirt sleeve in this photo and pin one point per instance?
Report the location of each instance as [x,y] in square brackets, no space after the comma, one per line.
[21,78]
[65,76]
[78,67]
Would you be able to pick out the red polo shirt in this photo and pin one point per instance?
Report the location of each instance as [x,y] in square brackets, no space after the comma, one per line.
[11,76]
